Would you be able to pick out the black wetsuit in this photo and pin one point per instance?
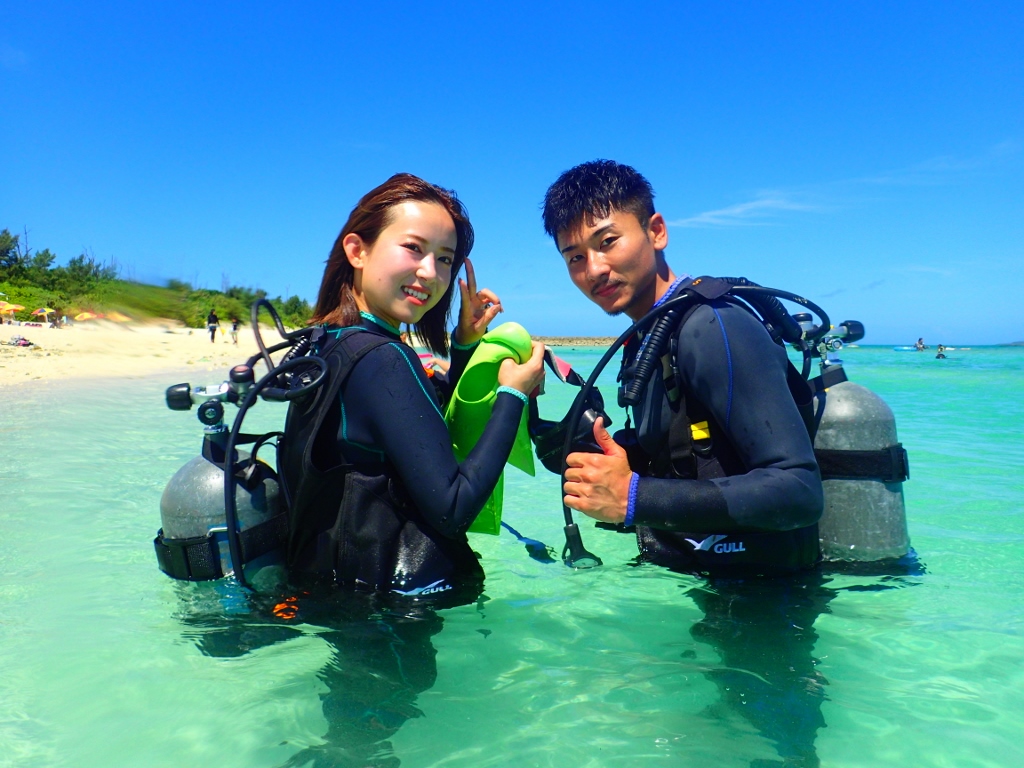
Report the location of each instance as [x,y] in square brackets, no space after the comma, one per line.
[388,427]
[754,496]
[391,414]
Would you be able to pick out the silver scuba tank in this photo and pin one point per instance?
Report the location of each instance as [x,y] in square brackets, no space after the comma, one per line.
[863,468]
[192,514]
[193,543]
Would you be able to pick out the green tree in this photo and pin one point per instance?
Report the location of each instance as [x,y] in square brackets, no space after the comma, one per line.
[12,260]
[39,265]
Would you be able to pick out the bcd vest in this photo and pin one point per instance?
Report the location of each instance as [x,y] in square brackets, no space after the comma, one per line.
[698,448]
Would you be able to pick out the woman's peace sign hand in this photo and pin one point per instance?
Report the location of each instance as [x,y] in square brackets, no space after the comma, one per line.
[477,309]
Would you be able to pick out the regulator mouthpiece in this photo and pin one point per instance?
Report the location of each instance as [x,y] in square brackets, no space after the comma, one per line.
[575,554]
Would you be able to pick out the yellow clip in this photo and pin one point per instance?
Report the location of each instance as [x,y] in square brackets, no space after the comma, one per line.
[700,431]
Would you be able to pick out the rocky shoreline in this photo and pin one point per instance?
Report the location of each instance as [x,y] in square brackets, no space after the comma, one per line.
[575,341]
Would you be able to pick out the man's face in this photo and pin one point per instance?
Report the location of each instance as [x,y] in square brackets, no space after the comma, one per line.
[614,260]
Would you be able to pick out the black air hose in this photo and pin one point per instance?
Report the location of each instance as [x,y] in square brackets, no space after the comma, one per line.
[771,310]
[299,350]
[631,392]
[230,510]
[743,290]
[288,336]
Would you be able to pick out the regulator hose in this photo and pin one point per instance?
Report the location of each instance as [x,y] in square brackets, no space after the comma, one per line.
[288,336]
[578,556]
[230,481]
[774,294]
[782,323]
[631,392]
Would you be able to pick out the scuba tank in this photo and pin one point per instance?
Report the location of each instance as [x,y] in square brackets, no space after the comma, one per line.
[863,465]
[226,510]
[192,543]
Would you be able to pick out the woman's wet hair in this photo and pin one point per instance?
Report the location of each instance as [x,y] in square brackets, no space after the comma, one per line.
[336,303]
[591,191]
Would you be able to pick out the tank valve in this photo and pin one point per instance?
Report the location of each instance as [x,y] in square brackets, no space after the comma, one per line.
[211,413]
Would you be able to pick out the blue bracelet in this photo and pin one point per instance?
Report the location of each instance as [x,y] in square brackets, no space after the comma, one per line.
[515,392]
[634,482]
[456,345]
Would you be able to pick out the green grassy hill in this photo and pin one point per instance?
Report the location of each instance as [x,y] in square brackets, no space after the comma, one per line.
[84,284]
[143,302]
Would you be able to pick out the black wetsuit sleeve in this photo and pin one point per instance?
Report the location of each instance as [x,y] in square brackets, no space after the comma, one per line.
[729,363]
[389,402]
[459,360]
[445,383]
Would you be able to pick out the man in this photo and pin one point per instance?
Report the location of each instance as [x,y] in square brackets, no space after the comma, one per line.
[721,475]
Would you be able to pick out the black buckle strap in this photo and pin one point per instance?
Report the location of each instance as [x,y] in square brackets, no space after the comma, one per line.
[195,559]
[890,465]
[834,374]
[263,538]
[709,288]
[198,558]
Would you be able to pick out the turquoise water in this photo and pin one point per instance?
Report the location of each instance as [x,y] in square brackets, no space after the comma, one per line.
[104,661]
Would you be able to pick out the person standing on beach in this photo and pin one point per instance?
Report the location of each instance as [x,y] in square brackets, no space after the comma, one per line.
[234,331]
[720,478]
[212,324]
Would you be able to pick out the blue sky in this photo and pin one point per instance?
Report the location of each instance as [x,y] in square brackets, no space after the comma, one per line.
[869,156]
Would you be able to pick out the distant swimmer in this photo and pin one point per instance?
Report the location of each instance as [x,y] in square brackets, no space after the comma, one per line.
[940,355]
[920,345]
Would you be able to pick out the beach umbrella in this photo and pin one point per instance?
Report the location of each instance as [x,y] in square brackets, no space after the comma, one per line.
[117,317]
[44,311]
[13,308]
[85,316]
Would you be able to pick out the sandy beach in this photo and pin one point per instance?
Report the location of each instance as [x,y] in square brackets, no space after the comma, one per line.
[100,349]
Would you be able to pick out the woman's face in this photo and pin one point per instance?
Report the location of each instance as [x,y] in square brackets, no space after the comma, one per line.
[408,269]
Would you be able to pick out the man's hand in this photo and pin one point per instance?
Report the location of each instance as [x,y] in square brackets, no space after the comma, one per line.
[597,484]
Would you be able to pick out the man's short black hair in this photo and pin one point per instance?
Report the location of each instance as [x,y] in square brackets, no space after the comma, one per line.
[592,190]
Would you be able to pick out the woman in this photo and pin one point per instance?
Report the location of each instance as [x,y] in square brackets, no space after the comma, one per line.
[212,324]
[378,499]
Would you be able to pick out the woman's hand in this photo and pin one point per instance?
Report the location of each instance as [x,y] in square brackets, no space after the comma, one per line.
[526,377]
[476,310]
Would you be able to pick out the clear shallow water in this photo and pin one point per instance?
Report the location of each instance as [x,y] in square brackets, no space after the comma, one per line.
[104,661]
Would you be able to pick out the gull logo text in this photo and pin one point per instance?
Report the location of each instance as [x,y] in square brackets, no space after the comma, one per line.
[714,543]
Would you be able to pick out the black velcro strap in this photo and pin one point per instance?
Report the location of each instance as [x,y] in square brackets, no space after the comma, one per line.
[831,376]
[680,442]
[709,288]
[803,396]
[263,538]
[196,559]
[890,465]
